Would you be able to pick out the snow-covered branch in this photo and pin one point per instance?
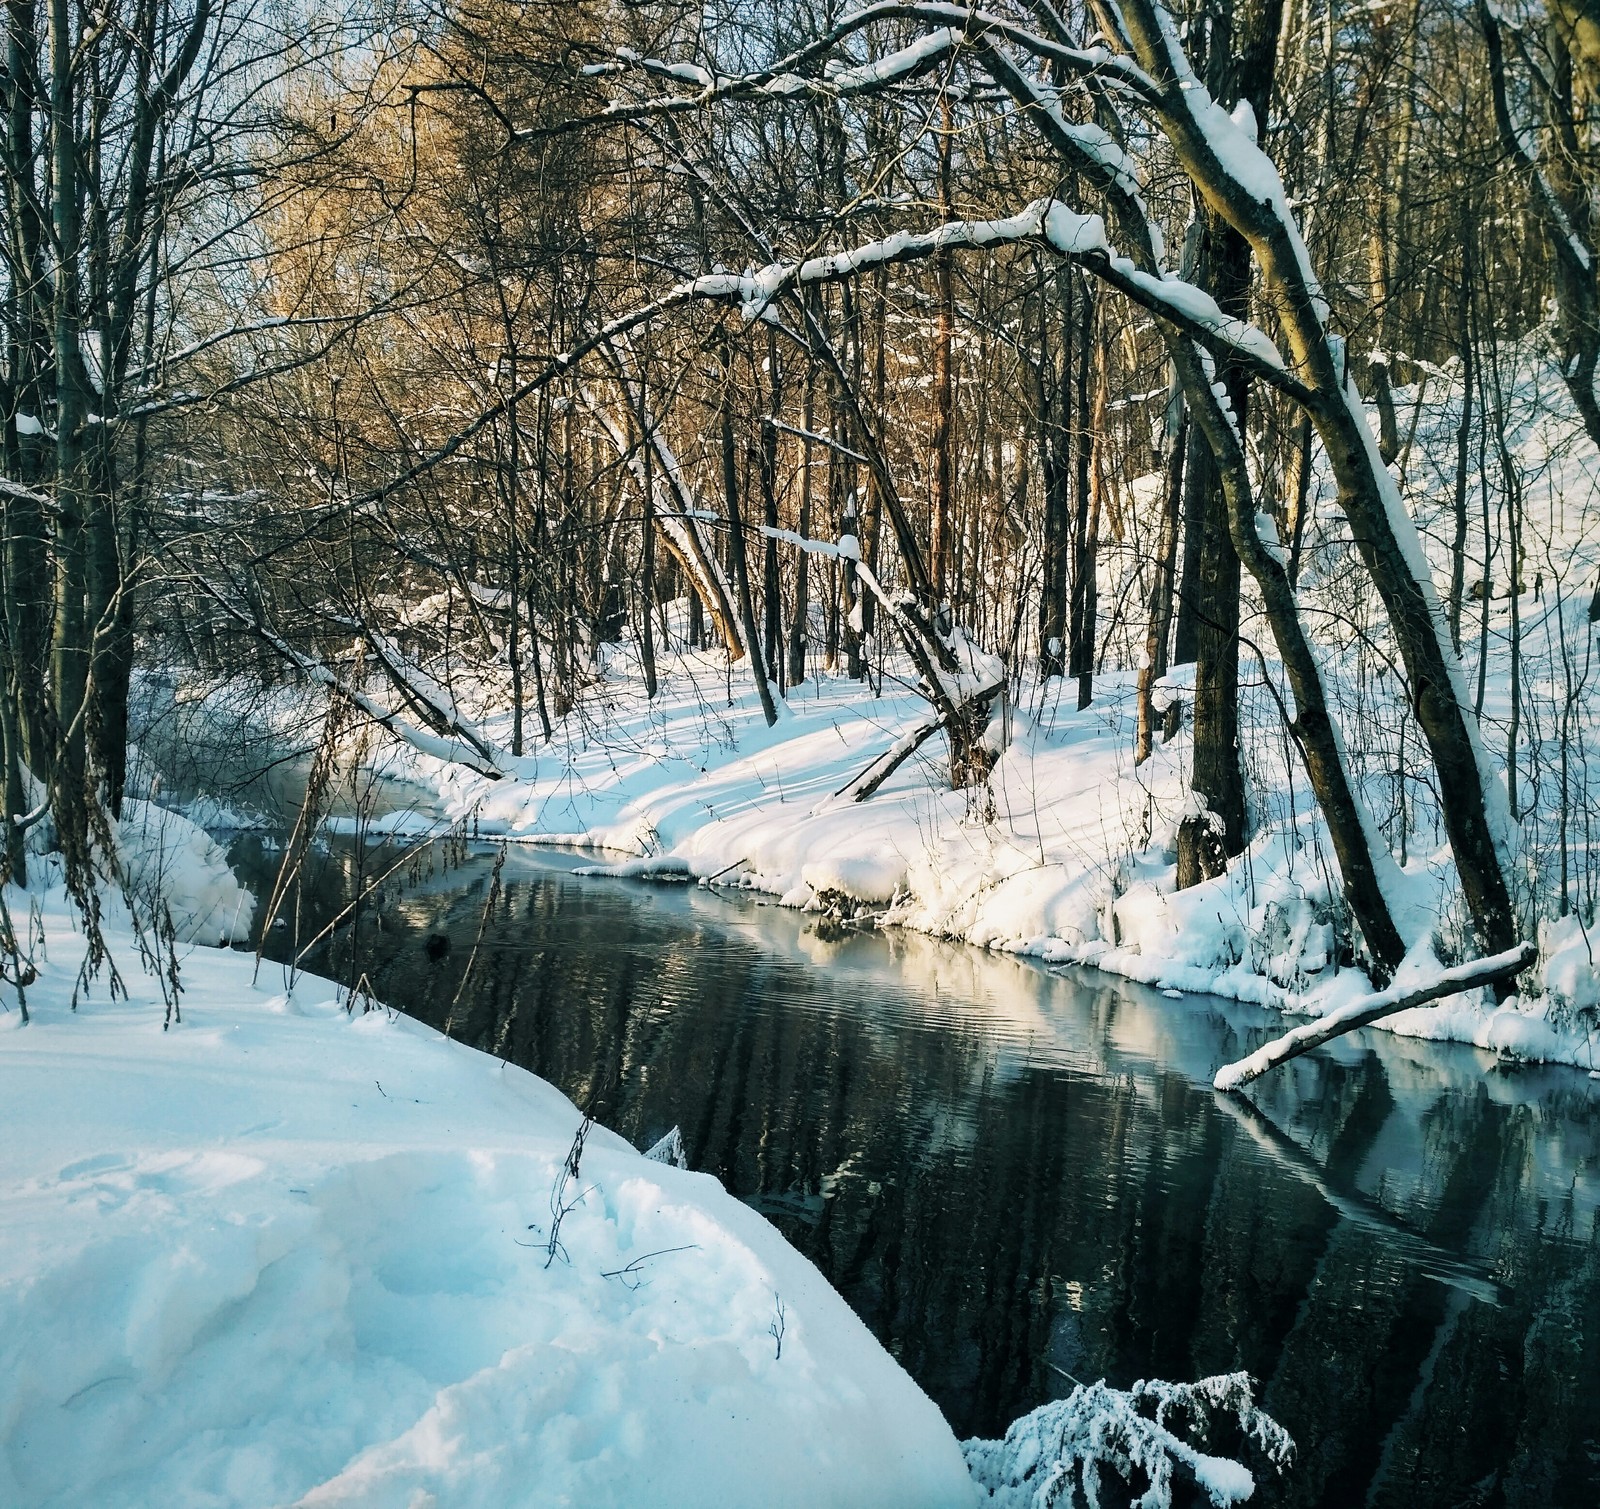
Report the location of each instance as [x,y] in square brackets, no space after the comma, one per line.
[1373,1008]
[1047,223]
[1061,1449]
[816,68]
[461,746]
[24,494]
[675,508]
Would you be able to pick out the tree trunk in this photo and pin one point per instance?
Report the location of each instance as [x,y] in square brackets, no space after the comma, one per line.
[799,625]
[1204,847]
[1055,469]
[647,575]
[1086,536]
[108,615]
[1564,207]
[70,630]
[771,591]
[1216,779]
[513,498]
[1304,450]
[941,466]
[1384,534]
[1458,543]
[736,545]
[13,794]
[1154,664]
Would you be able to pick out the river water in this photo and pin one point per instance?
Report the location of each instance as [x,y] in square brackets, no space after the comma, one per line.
[1020,1176]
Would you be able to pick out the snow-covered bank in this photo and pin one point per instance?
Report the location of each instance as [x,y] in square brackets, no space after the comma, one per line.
[283,1254]
[1067,855]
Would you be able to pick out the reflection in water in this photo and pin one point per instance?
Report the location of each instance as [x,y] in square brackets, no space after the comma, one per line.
[1019,1177]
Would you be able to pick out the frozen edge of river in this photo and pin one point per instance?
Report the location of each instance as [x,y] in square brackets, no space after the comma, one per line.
[1065,857]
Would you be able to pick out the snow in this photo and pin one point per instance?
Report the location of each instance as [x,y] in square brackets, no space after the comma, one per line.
[1409,542]
[1069,233]
[166,854]
[1067,854]
[285,1254]
[905,63]
[1419,972]
[1570,974]
[1061,1447]
[685,73]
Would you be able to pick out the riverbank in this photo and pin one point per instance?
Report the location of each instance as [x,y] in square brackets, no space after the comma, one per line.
[1067,854]
[288,1252]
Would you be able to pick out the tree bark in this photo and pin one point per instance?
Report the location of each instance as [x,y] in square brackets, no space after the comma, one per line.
[1055,470]
[1086,530]
[941,464]
[736,544]
[799,622]
[1154,664]
[1563,205]
[771,591]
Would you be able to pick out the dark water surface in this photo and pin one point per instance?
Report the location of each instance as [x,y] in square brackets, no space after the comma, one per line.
[1019,1177]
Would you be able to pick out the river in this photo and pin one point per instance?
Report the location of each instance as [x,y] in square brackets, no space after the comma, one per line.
[1020,1176]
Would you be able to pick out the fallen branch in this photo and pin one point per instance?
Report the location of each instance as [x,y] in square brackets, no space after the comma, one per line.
[1369,1009]
[862,786]
[708,879]
[460,745]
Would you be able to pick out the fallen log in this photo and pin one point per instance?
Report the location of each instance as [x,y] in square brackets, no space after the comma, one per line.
[1368,1009]
[859,787]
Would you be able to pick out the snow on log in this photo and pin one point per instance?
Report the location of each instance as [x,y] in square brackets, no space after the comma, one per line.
[863,786]
[1368,1009]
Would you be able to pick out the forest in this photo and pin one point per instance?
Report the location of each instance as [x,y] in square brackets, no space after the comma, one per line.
[1115,483]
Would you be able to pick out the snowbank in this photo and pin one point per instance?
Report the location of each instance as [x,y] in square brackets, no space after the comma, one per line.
[1067,856]
[281,1254]
[167,857]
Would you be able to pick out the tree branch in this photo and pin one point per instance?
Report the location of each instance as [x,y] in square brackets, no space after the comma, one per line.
[1373,1008]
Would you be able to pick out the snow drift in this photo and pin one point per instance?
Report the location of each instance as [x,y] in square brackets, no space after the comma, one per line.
[283,1254]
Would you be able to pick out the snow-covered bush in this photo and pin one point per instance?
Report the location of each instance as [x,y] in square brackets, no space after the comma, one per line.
[1064,1445]
[1568,951]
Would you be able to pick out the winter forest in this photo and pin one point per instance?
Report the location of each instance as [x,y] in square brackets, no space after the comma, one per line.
[974,626]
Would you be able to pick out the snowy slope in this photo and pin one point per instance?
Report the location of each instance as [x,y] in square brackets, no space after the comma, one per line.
[284,1255]
[1067,855]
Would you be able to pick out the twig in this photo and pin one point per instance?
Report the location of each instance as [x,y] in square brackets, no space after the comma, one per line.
[483,925]
[631,1270]
[723,871]
[560,1206]
[779,1324]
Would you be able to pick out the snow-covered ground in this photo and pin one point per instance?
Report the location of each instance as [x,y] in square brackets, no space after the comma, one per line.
[260,1248]
[1068,853]
[283,1254]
